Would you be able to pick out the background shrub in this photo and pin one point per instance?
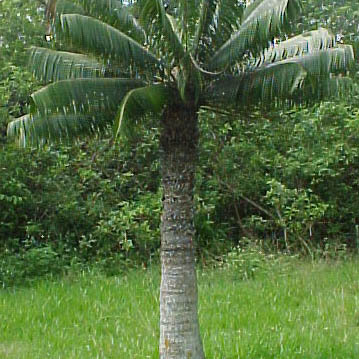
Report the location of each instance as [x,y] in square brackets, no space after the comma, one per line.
[287,178]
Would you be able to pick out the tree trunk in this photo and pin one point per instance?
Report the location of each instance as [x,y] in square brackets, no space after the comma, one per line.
[179,327]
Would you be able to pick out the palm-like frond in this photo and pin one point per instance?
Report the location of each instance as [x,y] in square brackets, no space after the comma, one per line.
[187,15]
[332,87]
[186,42]
[35,129]
[113,12]
[49,65]
[262,20]
[94,36]
[280,80]
[82,95]
[141,101]
[67,7]
[207,10]
[217,21]
[323,63]
[154,11]
[68,109]
[264,85]
[285,9]
[309,42]
[54,7]
[116,14]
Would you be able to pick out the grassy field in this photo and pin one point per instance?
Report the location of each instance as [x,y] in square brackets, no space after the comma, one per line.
[289,309]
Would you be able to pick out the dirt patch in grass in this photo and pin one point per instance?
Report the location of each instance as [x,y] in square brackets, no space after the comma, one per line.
[12,350]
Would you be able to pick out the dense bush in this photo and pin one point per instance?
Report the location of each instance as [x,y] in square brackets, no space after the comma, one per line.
[63,195]
[287,178]
[291,177]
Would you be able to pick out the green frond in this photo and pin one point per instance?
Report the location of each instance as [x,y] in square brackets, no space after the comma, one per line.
[113,12]
[299,78]
[37,130]
[217,21]
[262,20]
[49,65]
[286,9]
[69,109]
[263,85]
[82,96]
[187,14]
[139,102]
[67,7]
[332,87]
[308,42]
[207,10]
[189,81]
[153,11]
[92,35]
[55,8]
[116,14]
[323,63]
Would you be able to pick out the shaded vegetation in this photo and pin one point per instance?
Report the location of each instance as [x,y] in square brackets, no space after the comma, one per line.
[288,178]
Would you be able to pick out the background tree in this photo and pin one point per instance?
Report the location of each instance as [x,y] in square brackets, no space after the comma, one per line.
[18,30]
[171,60]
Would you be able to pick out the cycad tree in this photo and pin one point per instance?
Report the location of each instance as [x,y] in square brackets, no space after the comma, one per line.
[170,59]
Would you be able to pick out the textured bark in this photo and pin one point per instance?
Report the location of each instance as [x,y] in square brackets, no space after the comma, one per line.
[179,328]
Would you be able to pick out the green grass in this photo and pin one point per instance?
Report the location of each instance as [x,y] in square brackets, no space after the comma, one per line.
[288,310]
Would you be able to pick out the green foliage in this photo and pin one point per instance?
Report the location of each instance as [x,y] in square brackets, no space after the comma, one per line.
[21,24]
[15,84]
[261,21]
[245,261]
[287,179]
[60,65]
[77,203]
[341,15]
[132,229]
[288,176]
[28,264]
[174,55]
[296,209]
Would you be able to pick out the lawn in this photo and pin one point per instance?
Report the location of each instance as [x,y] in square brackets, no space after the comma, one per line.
[288,309]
